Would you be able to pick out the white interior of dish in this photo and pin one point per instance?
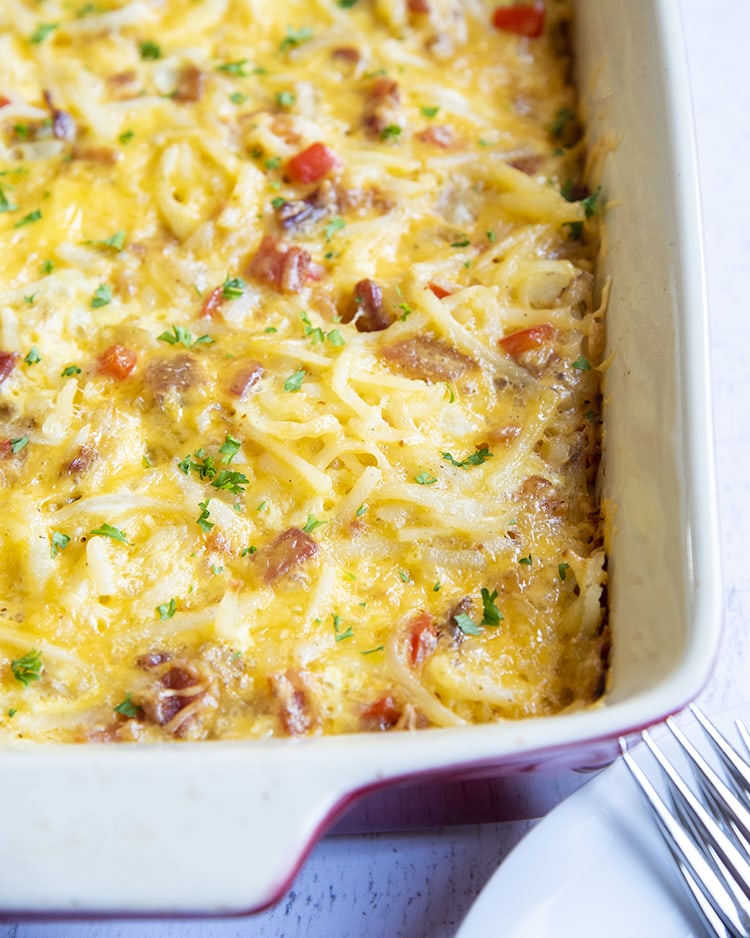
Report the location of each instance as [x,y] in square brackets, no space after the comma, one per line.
[221,827]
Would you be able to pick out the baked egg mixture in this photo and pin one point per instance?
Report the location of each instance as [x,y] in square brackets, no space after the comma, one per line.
[299,369]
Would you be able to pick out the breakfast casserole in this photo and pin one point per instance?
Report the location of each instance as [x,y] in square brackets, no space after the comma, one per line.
[300,348]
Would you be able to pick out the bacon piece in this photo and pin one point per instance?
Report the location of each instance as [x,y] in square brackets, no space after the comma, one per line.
[245,378]
[117,362]
[440,136]
[313,163]
[525,340]
[6,449]
[179,373]
[105,156]
[63,125]
[177,685]
[7,364]
[382,714]
[529,164]
[290,691]
[4,102]
[290,549]
[82,461]
[368,314]
[418,6]
[212,303]
[422,638]
[428,358]
[439,291]
[191,85]
[348,54]
[382,107]
[523,19]
[280,265]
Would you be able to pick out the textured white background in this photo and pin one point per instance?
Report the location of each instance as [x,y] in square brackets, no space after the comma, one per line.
[420,884]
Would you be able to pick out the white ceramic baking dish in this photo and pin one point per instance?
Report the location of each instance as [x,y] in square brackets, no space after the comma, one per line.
[222,827]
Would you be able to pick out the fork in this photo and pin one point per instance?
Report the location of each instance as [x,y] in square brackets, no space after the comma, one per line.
[706,827]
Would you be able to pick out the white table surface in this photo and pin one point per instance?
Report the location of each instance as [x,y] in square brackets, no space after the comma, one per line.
[420,884]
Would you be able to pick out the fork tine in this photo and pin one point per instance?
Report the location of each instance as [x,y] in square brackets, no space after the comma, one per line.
[738,768]
[702,874]
[721,797]
[723,846]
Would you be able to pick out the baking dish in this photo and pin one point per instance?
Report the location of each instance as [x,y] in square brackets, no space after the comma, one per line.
[221,827]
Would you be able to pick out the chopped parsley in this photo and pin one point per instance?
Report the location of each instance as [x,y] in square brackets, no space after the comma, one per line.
[58,542]
[167,610]
[295,37]
[202,519]
[294,381]
[46,267]
[347,4]
[491,614]
[424,478]
[582,363]
[19,443]
[232,289]
[127,708]
[42,31]
[229,448]
[182,336]
[108,530]
[340,636]
[592,204]
[126,136]
[28,668]
[335,338]
[32,357]
[116,241]
[391,132]
[102,296]
[334,225]
[5,204]
[230,481]
[527,560]
[29,219]
[462,242]
[70,370]
[467,625]
[248,551]
[481,455]
[149,50]
[371,651]
[405,576]
[234,68]
[563,117]
[285,98]
[237,97]
[361,510]
[429,111]
[311,524]
[562,570]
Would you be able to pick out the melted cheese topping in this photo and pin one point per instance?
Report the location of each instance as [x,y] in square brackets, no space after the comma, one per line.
[297,369]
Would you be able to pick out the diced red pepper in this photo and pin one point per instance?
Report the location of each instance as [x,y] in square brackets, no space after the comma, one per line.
[313,164]
[383,714]
[4,102]
[524,340]
[212,303]
[523,19]
[422,637]
[117,362]
[6,449]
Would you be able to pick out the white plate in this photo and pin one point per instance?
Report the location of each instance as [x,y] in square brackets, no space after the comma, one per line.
[595,866]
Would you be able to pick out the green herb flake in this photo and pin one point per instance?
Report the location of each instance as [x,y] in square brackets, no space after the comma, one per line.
[527,560]
[28,668]
[30,299]
[582,363]
[405,576]
[462,242]
[592,204]
[363,508]
[237,97]
[563,117]
[102,296]
[347,4]
[481,455]
[5,204]
[273,162]
[491,614]
[58,542]
[19,443]
[46,267]
[467,625]
[295,37]
[437,587]
[562,571]
[340,636]
[371,651]
[248,551]
[42,31]
[32,357]
[278,202]
[429,111]
[29,219]
[202,519]
[294,381]
[424,478]
[116,241]
[12,711]
[334,225]
[406,311]
[575,230]
[70,370]
[127,708]
[108,530]
[233,288]
[167,610]
[229,448]
[391,132]
[181,336]
[126,136]
[285,98]
[149,50]
[335,338]
[230,481]
[311,524]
